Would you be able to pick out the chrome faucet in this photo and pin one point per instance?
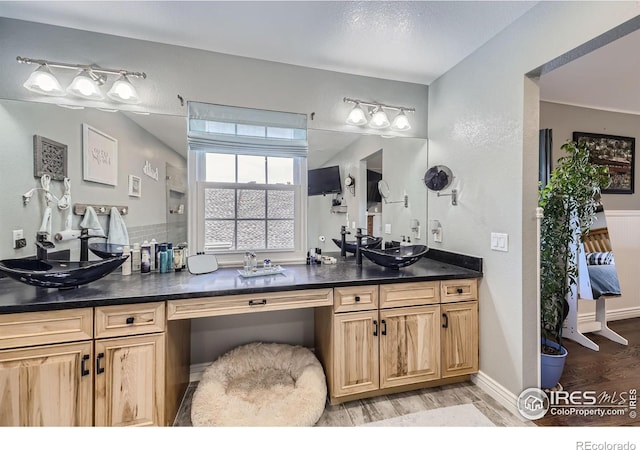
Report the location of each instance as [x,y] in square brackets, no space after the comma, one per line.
[359,237]
[343,243]
[84,243]
[43,244]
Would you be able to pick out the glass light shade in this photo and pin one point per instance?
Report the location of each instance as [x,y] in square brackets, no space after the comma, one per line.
[401,122]
[44,82]
[357,116]
[379,119]
[123,91]
[85,87]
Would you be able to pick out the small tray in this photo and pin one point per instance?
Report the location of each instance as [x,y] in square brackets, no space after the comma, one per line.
[260,272]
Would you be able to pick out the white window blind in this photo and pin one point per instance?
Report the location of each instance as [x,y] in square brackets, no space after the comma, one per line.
[247,131]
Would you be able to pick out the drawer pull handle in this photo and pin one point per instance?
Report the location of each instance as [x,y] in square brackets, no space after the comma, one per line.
[446,321]
[83,370]
[130,320]
[384,328]
[375,327]
[258,302]
[99,369]
[459,290]
[357,298]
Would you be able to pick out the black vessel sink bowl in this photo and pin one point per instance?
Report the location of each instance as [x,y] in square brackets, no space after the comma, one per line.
[104,250]
[396,257]
[59,274]
[365,242]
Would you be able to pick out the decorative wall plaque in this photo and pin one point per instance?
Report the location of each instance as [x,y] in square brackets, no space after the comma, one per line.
[49,157]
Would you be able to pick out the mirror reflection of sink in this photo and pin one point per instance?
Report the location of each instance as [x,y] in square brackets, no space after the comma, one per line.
[396,257]
[365,242]
[58,274]
[104,250]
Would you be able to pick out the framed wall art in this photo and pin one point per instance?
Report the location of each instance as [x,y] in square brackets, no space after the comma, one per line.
[617,153]
[135,186]
[49,157]
[99,156]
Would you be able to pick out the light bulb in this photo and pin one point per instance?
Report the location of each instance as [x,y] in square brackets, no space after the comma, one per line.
[123,91]
[84,86]
[401,122]
[44,82]
[379,119]
[357,116]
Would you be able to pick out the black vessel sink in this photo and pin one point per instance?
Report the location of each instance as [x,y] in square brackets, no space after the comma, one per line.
[365,242]
[396,257]
[58,274]
[104,250]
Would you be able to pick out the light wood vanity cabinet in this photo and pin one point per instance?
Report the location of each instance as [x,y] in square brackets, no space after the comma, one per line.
[413,338]
[74,368]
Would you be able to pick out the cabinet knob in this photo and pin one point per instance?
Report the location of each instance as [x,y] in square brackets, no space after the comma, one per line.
[357,298]
[459,290]
[130,320]
[258,302]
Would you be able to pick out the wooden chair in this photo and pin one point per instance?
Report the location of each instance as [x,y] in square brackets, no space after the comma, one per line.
[597,240]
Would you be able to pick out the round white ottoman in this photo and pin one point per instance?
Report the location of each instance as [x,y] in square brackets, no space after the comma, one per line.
[261,384]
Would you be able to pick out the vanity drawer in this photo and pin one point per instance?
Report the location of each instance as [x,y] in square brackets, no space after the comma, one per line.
[248,303]
[356,298]
[409,294]
[458,290]
[125,320]
[47,327]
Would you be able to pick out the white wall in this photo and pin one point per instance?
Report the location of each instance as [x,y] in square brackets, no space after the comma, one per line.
[483,124]
[19,121]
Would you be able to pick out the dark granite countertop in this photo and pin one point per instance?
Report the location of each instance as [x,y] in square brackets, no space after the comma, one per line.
[117,289]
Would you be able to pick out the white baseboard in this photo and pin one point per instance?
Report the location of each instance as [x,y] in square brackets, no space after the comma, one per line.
[195,371]
[498,392]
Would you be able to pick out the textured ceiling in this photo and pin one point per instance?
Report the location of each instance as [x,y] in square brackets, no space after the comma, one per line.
[415,41]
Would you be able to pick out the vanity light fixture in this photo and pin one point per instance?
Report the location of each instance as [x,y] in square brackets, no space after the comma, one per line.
[86,84]
[376,116]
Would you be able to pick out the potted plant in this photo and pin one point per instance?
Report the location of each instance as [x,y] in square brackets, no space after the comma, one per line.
[569,202]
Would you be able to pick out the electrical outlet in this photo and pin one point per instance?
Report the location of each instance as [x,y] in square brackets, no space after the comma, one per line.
[20,243]
[437,235]
[18,235]
[387,228]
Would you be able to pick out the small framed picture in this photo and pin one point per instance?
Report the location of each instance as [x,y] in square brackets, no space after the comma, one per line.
[135,185]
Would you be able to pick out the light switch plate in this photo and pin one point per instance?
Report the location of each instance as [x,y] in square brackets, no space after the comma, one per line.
[500,242]
[387,228]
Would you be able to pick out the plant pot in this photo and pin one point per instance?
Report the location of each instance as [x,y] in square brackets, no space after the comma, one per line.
[551,366]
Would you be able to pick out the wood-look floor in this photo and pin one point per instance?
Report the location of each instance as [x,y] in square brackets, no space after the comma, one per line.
[359,412]
[614,368]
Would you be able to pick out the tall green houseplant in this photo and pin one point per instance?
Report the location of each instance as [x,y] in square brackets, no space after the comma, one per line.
[569,202]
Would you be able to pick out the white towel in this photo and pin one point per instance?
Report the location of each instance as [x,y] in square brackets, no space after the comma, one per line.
[90,221]
[117,229]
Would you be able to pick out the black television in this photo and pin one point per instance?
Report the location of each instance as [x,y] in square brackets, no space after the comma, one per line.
[325,180]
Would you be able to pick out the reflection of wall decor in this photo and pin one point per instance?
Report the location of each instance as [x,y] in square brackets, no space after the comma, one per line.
[135,186]
[100,156]
[49,157]
[616,153]
[150,172]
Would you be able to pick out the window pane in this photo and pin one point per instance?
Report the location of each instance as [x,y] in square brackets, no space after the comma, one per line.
[220,168]
[251,130]
[281,234]
[251,235]
[197,125]
[281,204]
[280,170]
[219,203]
[251,169]
[280,133]
[221,127]
[219,233]
[251,204]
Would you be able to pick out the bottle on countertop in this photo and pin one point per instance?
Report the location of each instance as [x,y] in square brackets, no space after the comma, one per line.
[163,258]
[145,257]
[126,265]
[135,258]
[170,256]
[153,245]
[178,258]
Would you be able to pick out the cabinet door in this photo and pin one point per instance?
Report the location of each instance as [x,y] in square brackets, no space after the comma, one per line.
[459,338]
[409,345]
[355,352]
[130,381]
[47,386]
